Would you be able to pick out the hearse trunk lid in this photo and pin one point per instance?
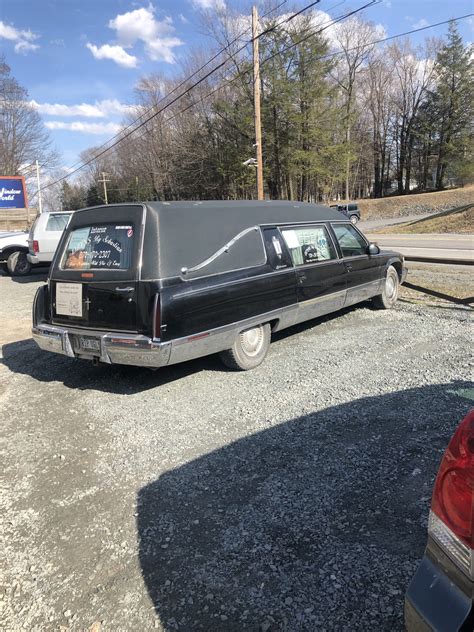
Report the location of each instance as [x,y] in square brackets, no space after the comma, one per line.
[94,278]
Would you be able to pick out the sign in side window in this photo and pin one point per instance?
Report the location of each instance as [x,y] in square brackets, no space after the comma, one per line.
[57,222]
[351,241]
[309,244]
[104,247]
[276,251]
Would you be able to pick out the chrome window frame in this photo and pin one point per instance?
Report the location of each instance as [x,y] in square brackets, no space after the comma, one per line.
[324,225]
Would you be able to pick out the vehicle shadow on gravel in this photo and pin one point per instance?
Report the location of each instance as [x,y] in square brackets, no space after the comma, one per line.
[25,357]
[316,524]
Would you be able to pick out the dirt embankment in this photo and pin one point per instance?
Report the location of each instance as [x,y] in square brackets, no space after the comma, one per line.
[419,203]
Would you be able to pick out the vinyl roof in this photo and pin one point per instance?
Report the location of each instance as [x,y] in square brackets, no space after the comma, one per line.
[190,232]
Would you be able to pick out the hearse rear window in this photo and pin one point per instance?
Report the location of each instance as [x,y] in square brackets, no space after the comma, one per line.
[99,247]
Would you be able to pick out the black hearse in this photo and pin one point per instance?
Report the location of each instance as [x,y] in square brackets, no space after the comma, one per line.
[162,282]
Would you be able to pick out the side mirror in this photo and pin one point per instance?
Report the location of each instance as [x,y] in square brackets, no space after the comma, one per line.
[374,249]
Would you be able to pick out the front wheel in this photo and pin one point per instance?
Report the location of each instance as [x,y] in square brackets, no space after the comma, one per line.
[18,264]
[389,295]
[354,219]
[249,349]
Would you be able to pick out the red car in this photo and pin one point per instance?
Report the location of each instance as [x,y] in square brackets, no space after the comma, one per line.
[441,594]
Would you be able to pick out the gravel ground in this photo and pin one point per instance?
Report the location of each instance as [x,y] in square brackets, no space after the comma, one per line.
[292,497]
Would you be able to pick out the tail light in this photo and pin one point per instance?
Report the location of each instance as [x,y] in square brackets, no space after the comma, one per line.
[36,247]
[157,317]
[451,522]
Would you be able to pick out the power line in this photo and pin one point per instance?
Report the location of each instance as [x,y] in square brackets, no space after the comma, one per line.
[183,82]
[123,136]
[267,59]
[320,57]
[321,28]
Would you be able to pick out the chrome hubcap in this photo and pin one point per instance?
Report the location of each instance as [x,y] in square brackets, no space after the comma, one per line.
[252,341]
[390,287]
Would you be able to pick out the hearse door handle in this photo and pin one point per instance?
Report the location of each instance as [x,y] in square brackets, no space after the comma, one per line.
[349,267]
[125,290]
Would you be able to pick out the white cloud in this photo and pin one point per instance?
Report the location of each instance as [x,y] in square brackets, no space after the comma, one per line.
[218,5]
[99,109]
[141,25]
[115,53]
[25,47]
[85,128]
[421,23]
[161,49]
[23,39]
[183,19]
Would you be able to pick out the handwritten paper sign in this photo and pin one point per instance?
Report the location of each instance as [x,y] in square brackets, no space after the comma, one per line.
[69,299]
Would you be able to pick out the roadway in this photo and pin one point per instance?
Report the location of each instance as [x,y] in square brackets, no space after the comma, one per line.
[447,247]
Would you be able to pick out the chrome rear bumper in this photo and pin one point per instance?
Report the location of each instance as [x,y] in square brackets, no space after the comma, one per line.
[113,348]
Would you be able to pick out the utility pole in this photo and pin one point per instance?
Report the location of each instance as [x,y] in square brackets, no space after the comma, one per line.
[40,201]
[256,101]
[104,182]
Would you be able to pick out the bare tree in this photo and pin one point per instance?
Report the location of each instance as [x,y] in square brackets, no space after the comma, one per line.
[23,137]
[353,36]
[413,72]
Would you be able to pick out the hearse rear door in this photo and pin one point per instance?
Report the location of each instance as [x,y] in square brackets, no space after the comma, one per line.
[321,276]
[94,283]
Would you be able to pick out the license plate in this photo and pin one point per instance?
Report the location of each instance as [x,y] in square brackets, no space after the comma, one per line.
[89,344]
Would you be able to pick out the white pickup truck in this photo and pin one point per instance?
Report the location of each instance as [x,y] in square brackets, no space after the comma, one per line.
[13,251]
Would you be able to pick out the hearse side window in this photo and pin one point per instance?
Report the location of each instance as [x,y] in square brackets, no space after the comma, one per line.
[276,250]
[309,244]
[245,250]
[99,247]
[57,222]
[351,241]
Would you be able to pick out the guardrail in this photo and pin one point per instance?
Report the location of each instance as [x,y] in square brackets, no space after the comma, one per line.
[455,262]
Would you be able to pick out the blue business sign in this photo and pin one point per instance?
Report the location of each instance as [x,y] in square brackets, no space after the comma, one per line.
[13,192]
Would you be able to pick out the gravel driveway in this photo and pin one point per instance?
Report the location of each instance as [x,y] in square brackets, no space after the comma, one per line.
[292,497]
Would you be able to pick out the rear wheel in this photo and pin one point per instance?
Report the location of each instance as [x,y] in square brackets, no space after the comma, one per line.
[389,295]
[354,219]
[249,349]
[18,264]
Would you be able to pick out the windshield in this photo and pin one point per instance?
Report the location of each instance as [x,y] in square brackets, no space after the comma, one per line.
[99,247]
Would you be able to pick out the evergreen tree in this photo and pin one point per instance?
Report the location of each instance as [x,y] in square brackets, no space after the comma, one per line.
[453,107]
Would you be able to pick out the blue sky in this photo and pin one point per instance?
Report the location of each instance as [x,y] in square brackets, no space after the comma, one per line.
[80,59]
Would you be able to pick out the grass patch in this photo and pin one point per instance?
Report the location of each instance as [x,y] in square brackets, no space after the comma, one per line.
[460,222]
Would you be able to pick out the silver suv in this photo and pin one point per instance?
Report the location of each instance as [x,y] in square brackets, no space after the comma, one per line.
[45,235]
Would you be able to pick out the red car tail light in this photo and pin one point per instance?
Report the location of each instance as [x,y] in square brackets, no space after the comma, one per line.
[451,521]
[36,248]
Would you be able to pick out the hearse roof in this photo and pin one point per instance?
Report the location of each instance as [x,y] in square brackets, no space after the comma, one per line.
[184,234]
[191,232]
[241,213]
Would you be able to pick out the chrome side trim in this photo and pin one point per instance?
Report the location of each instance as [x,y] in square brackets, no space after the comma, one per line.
[362,292]
[222,338]
[139,350]
[320,305]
